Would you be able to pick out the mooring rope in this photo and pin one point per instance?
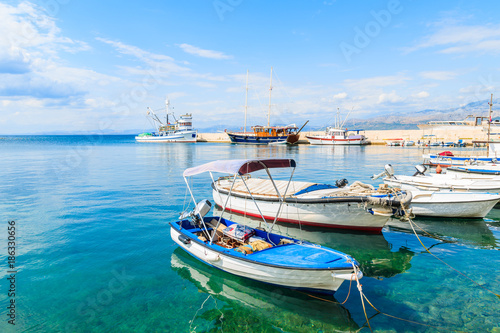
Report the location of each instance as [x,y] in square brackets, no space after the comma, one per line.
[407,215]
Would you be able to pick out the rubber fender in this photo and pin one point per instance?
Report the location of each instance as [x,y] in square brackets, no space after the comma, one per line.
[184,239]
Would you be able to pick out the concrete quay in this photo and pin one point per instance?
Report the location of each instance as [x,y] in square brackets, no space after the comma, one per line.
[377,137]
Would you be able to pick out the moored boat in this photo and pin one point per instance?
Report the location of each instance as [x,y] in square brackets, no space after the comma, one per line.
[180,131]
[264,135]
[444,195]
[355,207]
[254,253]
[394,142]
[453,204]
[437,182]
[338,136]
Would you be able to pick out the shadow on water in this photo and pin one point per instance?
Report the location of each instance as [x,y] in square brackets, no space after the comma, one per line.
[377,257]
[257,306]
[469,232]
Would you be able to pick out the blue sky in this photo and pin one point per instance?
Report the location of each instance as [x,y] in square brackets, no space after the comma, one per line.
[69,65]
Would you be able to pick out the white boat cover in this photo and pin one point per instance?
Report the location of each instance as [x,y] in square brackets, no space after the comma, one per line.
[239,166]
[264,187]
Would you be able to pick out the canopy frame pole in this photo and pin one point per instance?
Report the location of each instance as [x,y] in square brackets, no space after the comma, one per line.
[213,181]
[194,201]
[281,199]
[223,208]
[255,202]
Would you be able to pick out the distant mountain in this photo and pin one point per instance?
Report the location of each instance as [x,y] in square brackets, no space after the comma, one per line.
[410,121]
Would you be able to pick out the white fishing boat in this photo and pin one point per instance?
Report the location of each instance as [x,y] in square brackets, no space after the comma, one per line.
[483,171]
[339,135]
[443,195]
[436,182]
[453,204]
[179,131]
[355,207]
[254,253]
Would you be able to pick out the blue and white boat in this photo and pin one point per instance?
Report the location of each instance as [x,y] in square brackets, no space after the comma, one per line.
[256,253]
[179,131]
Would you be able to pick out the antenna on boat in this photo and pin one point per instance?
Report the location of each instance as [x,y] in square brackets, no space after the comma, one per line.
[270,89]
[153,115]
[167,105]
[346,117]
[489,127]
[246,103]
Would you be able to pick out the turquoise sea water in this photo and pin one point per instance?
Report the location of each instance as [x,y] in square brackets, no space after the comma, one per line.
[94,254]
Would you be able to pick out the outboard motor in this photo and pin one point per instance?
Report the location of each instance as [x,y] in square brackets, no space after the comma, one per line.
[388,170]
[421,169]
[341,183]
[202,208]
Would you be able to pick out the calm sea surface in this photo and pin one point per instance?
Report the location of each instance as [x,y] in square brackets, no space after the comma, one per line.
[94,254]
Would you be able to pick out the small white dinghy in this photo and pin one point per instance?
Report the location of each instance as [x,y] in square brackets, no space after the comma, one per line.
[437,182]
[453,204]
[444,196]
[258,254]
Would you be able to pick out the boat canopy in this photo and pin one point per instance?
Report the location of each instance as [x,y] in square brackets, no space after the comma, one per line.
[239,166]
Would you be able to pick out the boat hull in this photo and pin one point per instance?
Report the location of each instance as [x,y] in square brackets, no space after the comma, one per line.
[252,139]
[453,204]
[434,159]
[317,280]
[332,141]
[185,136]
[475,172]
[427,184]
[343,215]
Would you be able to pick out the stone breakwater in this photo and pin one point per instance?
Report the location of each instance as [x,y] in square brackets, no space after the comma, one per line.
[378,137]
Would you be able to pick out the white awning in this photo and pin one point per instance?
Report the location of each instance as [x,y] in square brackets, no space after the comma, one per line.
[239,166]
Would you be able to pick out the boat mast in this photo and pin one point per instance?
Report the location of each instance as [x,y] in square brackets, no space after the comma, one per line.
[167,104]
[489,127]
[270,89]
[246,103]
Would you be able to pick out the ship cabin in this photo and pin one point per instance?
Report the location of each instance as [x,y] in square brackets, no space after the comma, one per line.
[271,131]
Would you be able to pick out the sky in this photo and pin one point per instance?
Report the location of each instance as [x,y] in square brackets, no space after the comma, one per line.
[95,66]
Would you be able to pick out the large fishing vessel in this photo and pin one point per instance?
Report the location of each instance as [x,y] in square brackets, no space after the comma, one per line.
[263,135]
[180,131]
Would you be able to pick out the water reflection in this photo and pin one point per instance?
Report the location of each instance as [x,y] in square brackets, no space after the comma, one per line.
[266,305]
[377,257]
[475,232]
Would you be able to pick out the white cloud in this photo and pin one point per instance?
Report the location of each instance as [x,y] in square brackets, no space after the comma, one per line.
[455,38]
[422,94]
[341,95]
[439,75]
[204,53]
[391,97]
[377,81]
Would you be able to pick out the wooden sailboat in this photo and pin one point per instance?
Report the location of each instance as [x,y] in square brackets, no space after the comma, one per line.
[263,135]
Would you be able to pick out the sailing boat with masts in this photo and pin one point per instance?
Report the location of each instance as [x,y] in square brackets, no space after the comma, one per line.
[262,135]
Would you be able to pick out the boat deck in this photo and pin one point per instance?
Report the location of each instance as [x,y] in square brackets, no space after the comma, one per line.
[264,187]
